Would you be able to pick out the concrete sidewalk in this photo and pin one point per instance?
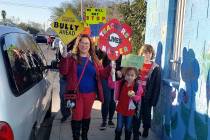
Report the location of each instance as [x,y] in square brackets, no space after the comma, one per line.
[62,131]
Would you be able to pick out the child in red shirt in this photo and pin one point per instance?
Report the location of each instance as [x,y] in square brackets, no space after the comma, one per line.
[150,77]
[125,98]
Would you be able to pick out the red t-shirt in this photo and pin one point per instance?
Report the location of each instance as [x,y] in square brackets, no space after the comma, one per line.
[143,74]
[123,102]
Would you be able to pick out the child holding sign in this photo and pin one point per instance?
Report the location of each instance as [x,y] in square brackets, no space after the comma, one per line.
[108,106]
[150,77]
[127,91]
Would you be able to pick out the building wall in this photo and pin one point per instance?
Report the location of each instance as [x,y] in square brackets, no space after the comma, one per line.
[183,109]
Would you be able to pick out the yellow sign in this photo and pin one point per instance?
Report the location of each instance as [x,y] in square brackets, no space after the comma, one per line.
[95,15]
[68,27]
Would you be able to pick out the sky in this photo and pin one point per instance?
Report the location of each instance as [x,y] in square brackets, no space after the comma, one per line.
[30,10]
[33,10]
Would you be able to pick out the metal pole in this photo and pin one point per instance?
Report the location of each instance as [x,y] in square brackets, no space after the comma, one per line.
[82,9]
[114,70]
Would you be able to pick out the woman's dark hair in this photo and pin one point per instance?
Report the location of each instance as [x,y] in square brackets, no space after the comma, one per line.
[70,46]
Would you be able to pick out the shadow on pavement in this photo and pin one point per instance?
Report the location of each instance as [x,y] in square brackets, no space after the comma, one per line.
[62,131]
[45,129]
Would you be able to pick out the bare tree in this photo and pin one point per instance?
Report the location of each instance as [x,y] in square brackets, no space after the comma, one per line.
[3,14]
[60,10]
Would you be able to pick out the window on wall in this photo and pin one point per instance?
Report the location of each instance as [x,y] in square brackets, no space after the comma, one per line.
[176,60]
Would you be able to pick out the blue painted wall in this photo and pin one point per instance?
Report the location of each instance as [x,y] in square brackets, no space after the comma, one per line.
[183,111]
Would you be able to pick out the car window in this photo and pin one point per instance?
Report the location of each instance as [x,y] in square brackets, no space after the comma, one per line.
[25,61]
[41,37]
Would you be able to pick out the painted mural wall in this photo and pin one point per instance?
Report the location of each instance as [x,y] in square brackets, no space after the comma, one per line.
[183,110]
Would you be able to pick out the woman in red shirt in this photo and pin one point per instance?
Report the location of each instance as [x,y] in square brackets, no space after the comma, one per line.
[125,98]
[84,74]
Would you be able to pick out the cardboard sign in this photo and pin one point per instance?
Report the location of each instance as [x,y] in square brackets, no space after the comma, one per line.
[132,60]
[114,39]
[68,27]
[95,15]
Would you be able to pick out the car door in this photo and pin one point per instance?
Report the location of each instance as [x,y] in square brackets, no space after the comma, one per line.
[25,78]
[46,96]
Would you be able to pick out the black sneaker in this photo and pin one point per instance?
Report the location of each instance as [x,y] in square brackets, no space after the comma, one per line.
[103,126]
[145,132]
[64,119]
[111,124]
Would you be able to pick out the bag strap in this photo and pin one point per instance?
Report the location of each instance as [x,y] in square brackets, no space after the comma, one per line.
[136,86]
[83,71]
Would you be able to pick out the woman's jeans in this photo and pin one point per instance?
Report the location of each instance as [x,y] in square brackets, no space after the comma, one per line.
[64,111]
[124,121]
[108,106]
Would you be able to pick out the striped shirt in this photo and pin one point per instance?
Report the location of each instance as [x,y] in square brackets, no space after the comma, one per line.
[143,75]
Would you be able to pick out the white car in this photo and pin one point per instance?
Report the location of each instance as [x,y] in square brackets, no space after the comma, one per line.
[25,92]
[56,43]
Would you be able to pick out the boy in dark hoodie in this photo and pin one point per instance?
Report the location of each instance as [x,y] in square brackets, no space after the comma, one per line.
[150,77]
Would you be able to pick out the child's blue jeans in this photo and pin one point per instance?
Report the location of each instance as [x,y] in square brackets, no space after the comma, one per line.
[124,121]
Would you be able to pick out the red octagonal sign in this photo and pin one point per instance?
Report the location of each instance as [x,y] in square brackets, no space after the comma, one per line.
[114,39]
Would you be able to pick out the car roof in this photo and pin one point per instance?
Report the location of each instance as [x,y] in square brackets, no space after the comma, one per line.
[8,29]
